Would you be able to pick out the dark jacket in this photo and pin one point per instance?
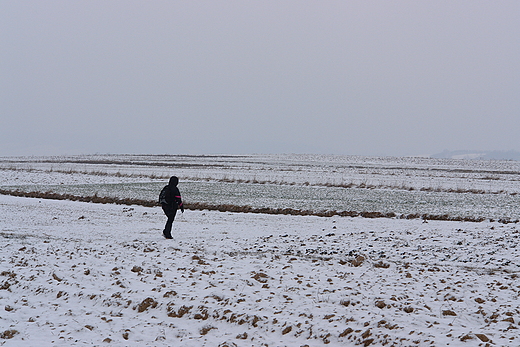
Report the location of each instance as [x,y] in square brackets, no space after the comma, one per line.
[173,196]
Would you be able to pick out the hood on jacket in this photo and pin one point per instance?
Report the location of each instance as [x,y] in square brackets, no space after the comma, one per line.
[173,181]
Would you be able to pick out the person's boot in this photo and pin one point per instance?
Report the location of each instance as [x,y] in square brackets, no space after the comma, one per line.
[167,234]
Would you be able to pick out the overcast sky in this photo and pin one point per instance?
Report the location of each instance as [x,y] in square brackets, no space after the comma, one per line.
[201,77]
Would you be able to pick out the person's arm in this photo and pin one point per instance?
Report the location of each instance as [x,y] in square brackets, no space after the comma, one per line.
[178,200]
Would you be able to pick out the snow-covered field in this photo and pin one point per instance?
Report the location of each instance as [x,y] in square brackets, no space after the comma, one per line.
[74,274]
[458,188]
[85,274]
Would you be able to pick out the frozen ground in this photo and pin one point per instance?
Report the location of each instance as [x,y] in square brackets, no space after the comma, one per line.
[74,274]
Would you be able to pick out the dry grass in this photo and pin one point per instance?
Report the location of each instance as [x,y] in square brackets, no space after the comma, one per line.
[93,199]
[8,334]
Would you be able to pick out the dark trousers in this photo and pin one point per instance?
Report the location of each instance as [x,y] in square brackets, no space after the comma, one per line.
[170,212]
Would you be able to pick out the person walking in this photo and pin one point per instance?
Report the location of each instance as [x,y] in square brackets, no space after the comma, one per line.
[170,200]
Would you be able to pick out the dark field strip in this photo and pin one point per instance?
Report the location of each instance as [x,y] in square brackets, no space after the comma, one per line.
[246,209]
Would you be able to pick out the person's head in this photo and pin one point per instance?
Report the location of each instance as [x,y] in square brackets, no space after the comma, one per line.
[174,181]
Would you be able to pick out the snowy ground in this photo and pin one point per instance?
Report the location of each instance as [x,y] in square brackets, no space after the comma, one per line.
[78,274]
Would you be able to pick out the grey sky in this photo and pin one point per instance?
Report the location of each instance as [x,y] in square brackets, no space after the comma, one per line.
[335,77]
